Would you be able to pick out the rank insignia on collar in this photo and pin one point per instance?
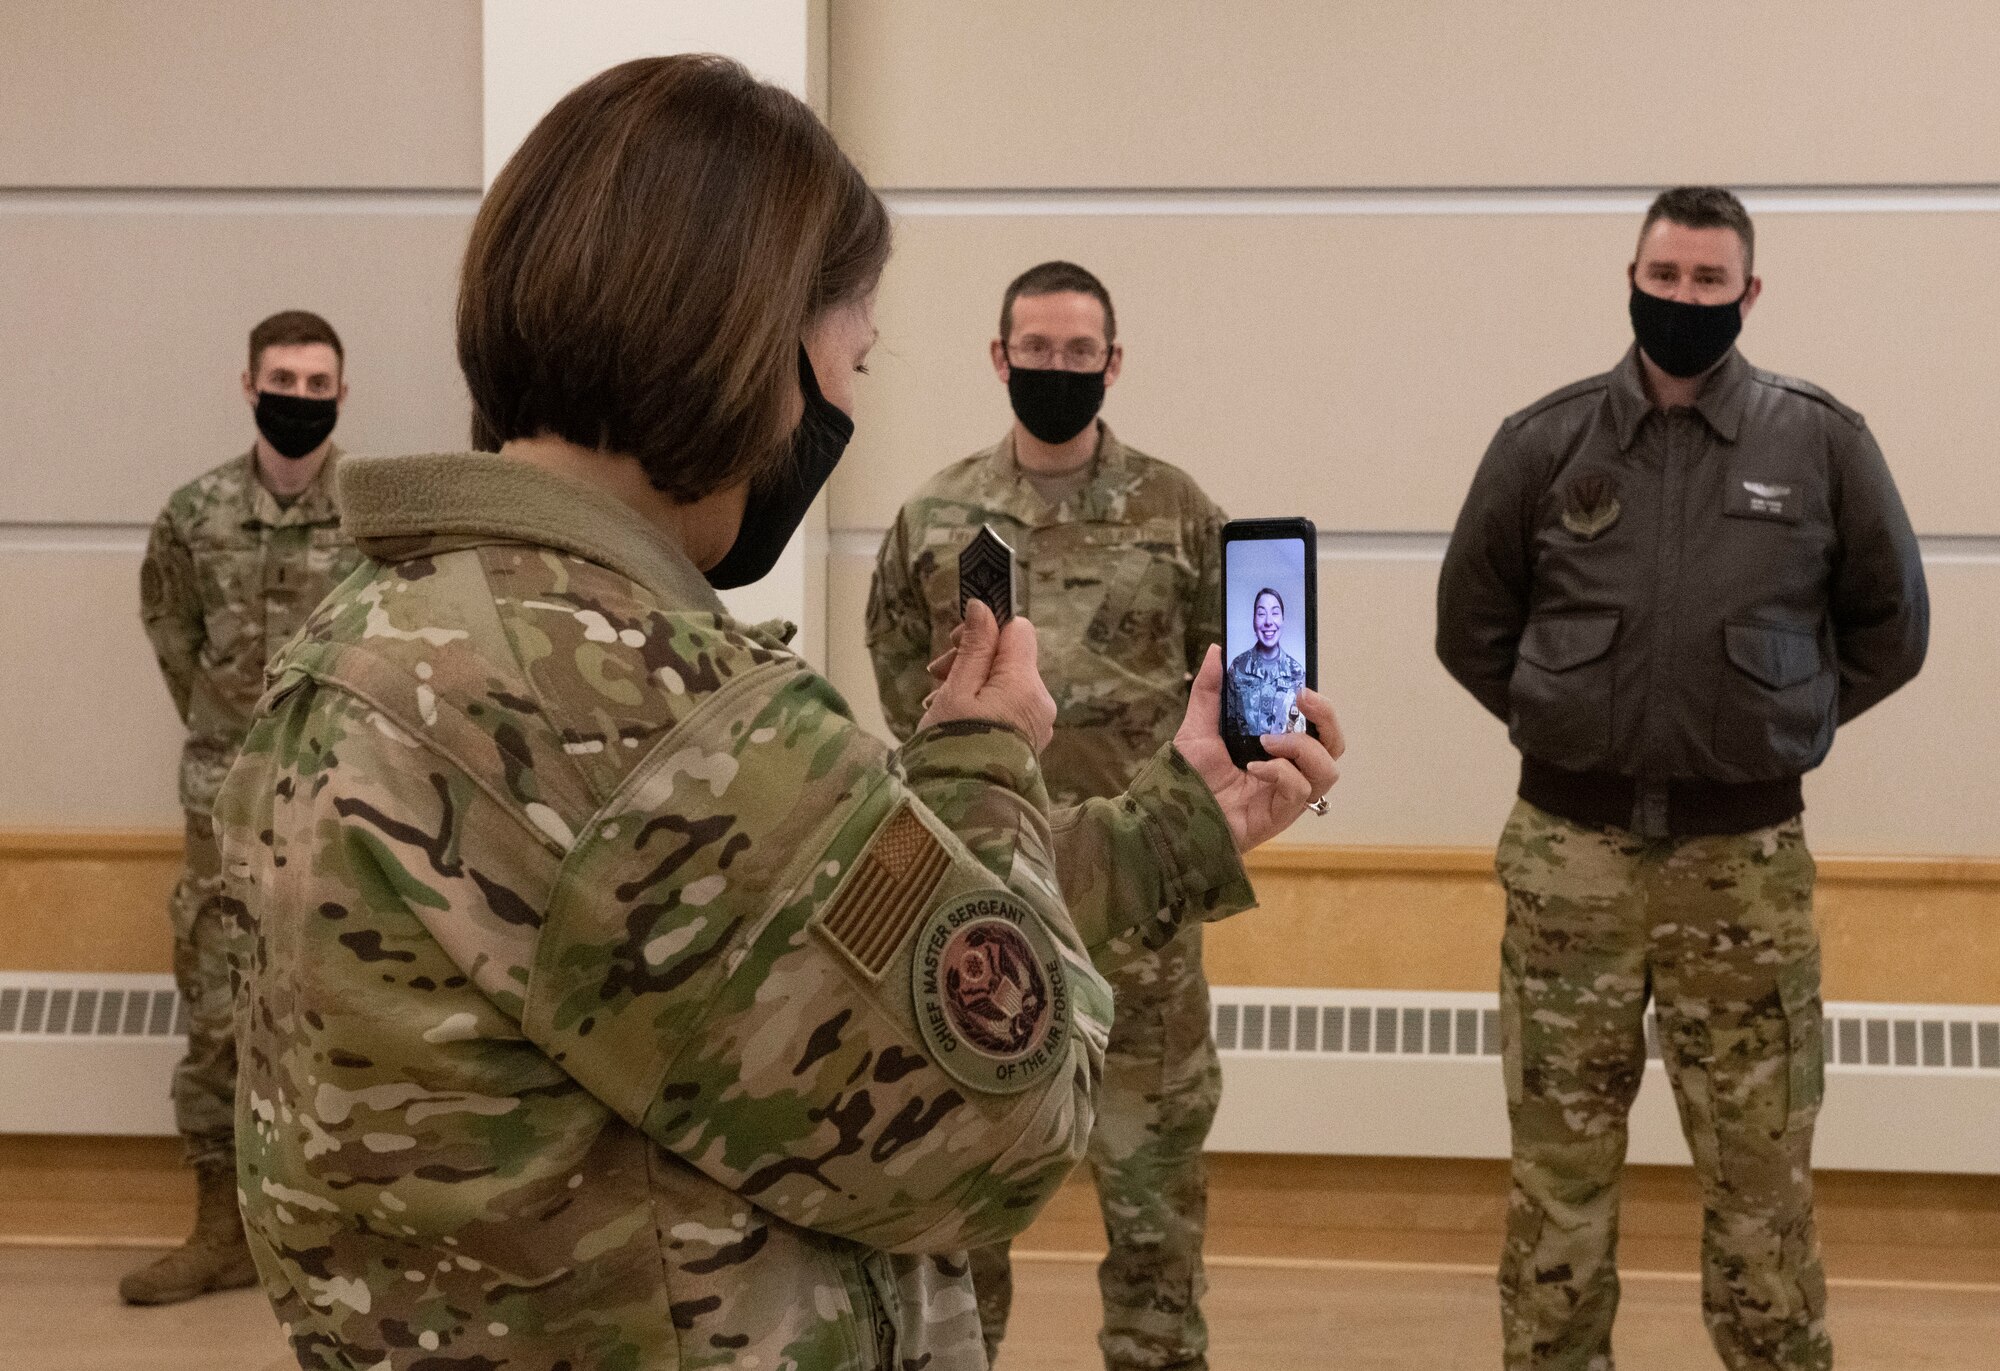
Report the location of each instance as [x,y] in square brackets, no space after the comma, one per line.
[1590,505]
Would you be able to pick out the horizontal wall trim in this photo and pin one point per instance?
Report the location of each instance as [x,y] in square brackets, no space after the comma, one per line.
[1345,545]
[917,202]
[1476,861]
[130,843]
[1417,1269]
[1335,545]
[453,200]
[64,537]
[94,844]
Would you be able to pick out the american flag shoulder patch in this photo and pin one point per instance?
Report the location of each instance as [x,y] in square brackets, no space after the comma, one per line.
[887,892]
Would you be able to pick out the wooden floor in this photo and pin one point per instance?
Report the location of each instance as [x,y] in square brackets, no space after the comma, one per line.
[59,1312]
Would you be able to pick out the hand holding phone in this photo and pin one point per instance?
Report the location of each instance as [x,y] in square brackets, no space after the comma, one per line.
[1270,636]
[1260,800]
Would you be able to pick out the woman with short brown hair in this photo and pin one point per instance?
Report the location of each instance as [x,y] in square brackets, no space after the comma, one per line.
[611,1000]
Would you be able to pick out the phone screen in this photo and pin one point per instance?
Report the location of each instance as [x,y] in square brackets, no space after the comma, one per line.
[1270,637]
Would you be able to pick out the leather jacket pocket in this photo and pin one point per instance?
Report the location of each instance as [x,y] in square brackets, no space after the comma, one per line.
[1774,711]
[1561,689]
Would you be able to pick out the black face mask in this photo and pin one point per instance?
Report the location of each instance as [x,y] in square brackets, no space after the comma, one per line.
[1055,405]
[778,506]
[295,424]
[1685,340]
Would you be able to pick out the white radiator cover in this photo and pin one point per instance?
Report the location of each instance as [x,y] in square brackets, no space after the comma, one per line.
[1334,1072]
[1909,1087]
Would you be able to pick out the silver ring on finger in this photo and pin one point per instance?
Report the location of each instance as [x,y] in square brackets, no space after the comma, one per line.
[1317,806]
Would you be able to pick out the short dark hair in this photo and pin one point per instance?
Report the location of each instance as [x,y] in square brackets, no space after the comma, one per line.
[1048,279]
[1704,207]
[641,275]
[1270,592]
[292,328]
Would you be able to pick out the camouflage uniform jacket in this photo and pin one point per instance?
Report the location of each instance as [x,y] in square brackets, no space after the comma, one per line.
[1261,693]
[229,575]
[610,1000]
[1122,579]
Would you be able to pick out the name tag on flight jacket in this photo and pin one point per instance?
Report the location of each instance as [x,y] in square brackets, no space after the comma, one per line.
[1774,500]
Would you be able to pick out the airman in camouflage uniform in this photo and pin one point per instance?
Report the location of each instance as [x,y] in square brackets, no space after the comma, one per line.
[231,572]
[610,1000]
[1674,581]
[1122,579]
[1262,693]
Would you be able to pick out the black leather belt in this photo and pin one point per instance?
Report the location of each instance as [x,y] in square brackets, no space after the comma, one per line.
[1660,809]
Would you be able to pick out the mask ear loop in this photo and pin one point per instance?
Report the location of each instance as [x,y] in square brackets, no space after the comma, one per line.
[817,406]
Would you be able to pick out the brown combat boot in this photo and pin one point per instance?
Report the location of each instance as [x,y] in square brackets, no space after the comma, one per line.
[215,1256]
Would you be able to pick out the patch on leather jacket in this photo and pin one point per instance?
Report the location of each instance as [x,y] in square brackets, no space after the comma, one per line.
[1590,505]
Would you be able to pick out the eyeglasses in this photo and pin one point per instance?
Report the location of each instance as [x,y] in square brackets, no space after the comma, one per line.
[1079,355]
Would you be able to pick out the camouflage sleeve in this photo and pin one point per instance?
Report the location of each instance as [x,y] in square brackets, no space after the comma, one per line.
[1160,853]
[1232,701]
[1157,855]
[899,633]
[840,983]
[170,610]
[1204,617]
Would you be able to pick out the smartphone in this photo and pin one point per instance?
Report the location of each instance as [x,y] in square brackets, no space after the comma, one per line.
[1270,630]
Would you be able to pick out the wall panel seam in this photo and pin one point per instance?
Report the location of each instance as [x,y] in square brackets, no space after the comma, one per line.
[27,846]
[1421,200]
[1336,545]
[1369,545]
[453,200]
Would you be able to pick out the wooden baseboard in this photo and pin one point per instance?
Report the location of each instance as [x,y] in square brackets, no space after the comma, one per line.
[1895,929]
[136,1192]
[100,1191]
[87,901]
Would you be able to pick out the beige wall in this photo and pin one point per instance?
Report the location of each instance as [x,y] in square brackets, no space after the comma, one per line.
[1464,188]
[1364,348]
[170,174]
[123,332]
[88,736]
[1040,93]
[234,93]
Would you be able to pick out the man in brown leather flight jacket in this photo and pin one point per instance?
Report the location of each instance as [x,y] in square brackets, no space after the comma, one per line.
[1674,581]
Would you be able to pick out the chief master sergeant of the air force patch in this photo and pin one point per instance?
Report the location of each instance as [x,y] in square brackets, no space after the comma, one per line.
[992,999]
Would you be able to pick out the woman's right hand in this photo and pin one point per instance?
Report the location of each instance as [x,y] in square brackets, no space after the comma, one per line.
[1261,801]
[993,674]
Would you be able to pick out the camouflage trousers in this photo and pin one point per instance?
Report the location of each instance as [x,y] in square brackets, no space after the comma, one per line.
[1162,1083]
[1718,932]
[205,1081]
